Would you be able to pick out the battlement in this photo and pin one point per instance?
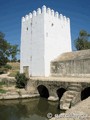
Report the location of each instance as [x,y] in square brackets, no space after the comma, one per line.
[48,11]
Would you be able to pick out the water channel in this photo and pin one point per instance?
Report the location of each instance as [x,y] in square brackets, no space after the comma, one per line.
[27,109]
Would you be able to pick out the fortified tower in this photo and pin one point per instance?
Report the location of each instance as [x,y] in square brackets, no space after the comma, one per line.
[45,34]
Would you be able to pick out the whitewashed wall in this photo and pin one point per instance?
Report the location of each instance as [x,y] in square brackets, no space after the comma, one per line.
[45,34]
[26,46]
[57,36]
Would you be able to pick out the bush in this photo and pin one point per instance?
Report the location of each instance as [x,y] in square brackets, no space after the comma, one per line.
[21,80]
[8,66]
[3,70]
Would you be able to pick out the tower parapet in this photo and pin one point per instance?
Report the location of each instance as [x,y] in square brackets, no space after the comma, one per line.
[56,14]
[52,12]
[30,15]
[48,11]
[43,9]
[38,11]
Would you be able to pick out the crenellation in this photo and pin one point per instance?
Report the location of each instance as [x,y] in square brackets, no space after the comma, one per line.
[64,18]
[48,10]
[61,16]
[43,9]
[26,17]
[38,11]
[34,13]
[56,14]
[23,19]
[52,12]
[30,15]
[68,20]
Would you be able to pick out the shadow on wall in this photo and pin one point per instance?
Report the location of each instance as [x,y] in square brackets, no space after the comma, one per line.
[85,93]
[60,92]
[43,91]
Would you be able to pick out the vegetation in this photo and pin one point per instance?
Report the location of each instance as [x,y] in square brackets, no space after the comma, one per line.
[15,68]
[2,83]
[82,42]
[21,80]
[1,87]
[5,68]
[8,52]
[2,91]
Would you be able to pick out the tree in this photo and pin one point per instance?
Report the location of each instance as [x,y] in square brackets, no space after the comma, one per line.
[7,50]
[13,52]
[4,50]
[82,42]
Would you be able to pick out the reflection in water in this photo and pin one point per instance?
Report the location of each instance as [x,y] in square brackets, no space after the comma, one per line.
[32,109]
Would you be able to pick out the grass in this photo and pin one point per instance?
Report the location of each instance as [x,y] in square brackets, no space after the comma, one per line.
[1,83]
[15,68]
[2,91]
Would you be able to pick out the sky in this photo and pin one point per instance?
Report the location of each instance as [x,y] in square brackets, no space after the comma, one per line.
[11,12]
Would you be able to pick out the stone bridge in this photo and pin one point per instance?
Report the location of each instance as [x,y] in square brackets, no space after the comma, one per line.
[69,81]
[67,90]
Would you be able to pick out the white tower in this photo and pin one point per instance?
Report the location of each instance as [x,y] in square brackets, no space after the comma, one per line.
[45,34]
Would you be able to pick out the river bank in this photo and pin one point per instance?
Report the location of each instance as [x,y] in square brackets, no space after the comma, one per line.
[80,111]
[8,89]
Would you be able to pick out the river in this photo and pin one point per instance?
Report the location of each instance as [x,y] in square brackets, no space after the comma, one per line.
[27,109]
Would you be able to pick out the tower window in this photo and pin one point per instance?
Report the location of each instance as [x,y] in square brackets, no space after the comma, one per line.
[52,24]
[30,58]
[27,28]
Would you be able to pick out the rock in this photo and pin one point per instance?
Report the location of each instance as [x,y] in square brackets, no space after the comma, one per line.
[52,98]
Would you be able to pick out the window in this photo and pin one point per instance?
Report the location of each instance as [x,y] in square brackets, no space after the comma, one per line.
[52,24]
[27,28]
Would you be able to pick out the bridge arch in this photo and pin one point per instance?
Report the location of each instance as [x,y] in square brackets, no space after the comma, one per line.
[43,91]
[60,92]
[85,93]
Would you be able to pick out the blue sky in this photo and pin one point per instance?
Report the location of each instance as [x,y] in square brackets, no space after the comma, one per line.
[11,12]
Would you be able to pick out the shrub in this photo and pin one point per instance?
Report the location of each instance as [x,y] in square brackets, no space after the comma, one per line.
[2,91]
[8,66]
[21,80]
[3,70]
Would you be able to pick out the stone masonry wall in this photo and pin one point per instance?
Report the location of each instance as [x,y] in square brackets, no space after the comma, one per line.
[79,67]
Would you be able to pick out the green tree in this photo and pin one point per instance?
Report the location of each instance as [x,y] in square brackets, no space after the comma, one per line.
[4,50]
[82,42]
[14,50]
[7,50]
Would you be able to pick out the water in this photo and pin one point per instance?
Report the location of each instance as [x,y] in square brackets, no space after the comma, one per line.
[29,109]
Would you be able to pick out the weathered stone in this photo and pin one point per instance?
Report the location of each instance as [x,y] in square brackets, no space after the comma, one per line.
[52,98]
[75,63]
[81,111]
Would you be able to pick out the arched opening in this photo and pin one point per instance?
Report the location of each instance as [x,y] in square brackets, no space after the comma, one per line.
[60,92]
[85,93]
[43,91]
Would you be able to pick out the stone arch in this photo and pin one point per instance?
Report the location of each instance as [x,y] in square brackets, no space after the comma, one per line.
[43,91]
[85,93]
[60,92]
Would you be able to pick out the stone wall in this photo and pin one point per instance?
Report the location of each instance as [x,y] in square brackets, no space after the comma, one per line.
[71,68]
[72,64]
[8,80]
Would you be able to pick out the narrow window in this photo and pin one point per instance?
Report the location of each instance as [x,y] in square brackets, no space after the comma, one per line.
[27,28]
[52,24]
